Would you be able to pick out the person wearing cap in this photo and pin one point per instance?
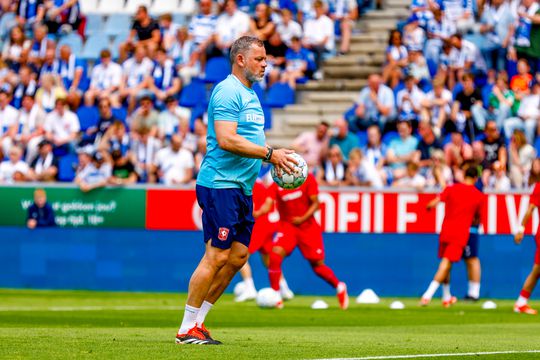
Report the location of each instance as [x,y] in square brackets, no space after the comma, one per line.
[45,165]
[30,126]
[61,125]
[171,118]
[105,79]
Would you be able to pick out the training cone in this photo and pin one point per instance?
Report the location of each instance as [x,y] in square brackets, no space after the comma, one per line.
[367,296]
[397,305]
[489,305]
[319,305]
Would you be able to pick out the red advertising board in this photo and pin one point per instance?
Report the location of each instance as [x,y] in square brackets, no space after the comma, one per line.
[353,211]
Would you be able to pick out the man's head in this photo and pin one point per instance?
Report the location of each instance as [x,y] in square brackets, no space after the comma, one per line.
[230,7]
[322,130]
[471,173]
[15,154]
[50,55]
[142,13]
[25,75]
[456,138]
[355,157]
[65,52]
[491,131]
[105,108]
[425,130]
[205,7]
[523,66]
[409,82]
[60,106]
[334,155]
[27,102]
[438,86]
[412,169]
[45,148]
[468,82]
[318,6]
[4,97]
[146,104]
[248,58]
[40,198]
[165,20]
[176,142]
[374,81]
[171,103]
[296,43]
[40,31]
[286,16]
[262,11]
[342,127]
[140,53]
[404,129]
[374,135]
[105,56]
[456,40]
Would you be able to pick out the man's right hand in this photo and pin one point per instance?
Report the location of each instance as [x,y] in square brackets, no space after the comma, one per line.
[518,237]
[282,160]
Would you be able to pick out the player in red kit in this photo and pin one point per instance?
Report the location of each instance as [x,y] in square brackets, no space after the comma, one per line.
[298,227]
[521,305]
[463,202]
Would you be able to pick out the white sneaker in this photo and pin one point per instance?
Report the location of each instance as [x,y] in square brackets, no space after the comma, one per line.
[246,295]
[286,293]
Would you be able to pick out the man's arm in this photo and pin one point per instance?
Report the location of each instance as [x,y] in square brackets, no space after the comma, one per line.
[519,235]
[310,211]
[264,209]
[433,203]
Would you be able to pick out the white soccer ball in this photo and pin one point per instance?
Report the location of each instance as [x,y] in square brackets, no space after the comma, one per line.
[296,178]
[267,298]
[239,288]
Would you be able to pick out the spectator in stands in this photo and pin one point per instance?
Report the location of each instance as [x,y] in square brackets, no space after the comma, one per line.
[275,59]
[401,149]
[168,30]
[62,126]
[45,166]
[105,120]
[49,91]
[171,118]
[439,174]
[414,37]
[145,30]
[105,79]
[299,63]
[143,150]
[436,105]
[70,69]
[230,25]
[145,117]
[333,171]
[427,144]
[418,67]
[498,180]
[135,73]
[343,138]
[26,85]
[460,13]
[439,30]
[527,35]
[409,101]
[116,138]
[93,171]
[288,28]
[30,126]
[39,45]
[468,58]
[40,214]
[493,148]
[361,171]
[262,25]
[201,31]
[375,105]
[528,114]
[520,83]
[397,59]
[174,165]
[344,14]
[534,175]
[319,35]
[48,65]
[123,171]
[14,169]
[412,178]
[62,15]
[375,150]
[521,156]
[311,144]
[467,109]
[456,152]
[29,13]
[185,59]
[501,103]
[8,122]
[15,46]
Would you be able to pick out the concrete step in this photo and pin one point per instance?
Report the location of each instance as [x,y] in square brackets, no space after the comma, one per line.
[333,85]
[280,139]
[374,48]
[367,38]
[387,14]
[379,25]
[327,96]
[389,4]
[320,109]
[356,59]
[350,72]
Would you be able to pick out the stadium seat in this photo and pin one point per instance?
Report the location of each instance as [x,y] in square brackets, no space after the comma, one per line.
[193,94]
[164,6]
[74,41]
[94,24]
[196,112]
[120,113]
[89,6]
[132,5]
[389,136]
[110,7]
[280,95]
[93,46]
[217,69]
[187,7]
[88,117]
[267,117]
[486,92]
[117,24]
[433,67]
[537,144]
[66,167]
[362,137]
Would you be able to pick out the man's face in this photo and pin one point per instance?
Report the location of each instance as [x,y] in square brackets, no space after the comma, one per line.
[319,11]
[3,99]
[468,84]
[104,108]
[260,11]
[40,200]
[65,53]
[404,129]
[146,105]
[456,42]
[255,63]
[322,129]
[374,82]
[27,103]
[140,53]
[14,156]
[176,143]
[140,15]
[492,133]
[25,76]
[105,61]
[230,7]
[423,129]
[205,6]
[59,107]
[45,150]
[374,136]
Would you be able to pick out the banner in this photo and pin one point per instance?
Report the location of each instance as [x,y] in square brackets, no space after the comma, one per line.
[111,207]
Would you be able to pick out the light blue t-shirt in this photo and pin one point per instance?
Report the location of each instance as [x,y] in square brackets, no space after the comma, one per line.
[402,147]
[232,101]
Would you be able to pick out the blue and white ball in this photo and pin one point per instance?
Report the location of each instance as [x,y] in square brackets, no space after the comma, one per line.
[296,178]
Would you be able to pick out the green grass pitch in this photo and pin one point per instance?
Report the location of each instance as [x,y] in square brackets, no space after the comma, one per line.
[102,325]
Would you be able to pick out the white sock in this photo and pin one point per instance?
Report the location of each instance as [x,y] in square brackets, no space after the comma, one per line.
[433,286]
[521,301]
[205,308]
[283,284]
[446,295]
[474,289]
[189,320]
[249,284]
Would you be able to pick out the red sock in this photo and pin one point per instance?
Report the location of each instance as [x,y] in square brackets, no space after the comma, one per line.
[274,270]
[326,274]
[525,294]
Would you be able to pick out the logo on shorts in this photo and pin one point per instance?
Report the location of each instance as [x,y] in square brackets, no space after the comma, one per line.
[223,234]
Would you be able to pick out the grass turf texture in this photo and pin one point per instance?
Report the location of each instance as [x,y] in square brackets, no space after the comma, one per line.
[80,324]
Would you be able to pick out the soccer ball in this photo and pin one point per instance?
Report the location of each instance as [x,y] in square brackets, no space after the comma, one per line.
[239,288]
[294,180]
[267,298]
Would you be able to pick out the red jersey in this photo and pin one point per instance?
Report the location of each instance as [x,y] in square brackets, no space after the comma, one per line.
[463,202]
[260,194]
[535,200]
[296,202]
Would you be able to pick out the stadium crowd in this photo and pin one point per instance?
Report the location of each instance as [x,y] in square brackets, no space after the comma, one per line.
[460,83]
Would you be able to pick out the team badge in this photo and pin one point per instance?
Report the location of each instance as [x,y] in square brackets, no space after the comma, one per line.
[223,234]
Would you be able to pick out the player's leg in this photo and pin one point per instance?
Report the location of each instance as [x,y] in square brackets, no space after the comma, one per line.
[521,305]
[327,274]
[265,250]
[472,262]
[440,276]
[447,298]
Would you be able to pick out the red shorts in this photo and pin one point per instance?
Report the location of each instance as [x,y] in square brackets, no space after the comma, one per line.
[262,237]
[450,251]
[307,237]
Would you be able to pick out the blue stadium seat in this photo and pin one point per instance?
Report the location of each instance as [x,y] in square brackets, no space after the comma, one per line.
[389,136]
[193,94]
[88,117]
[66,167]
[180,19]
[94,24]
[280,95]
[74,41]
[217,69]
[433,67]
[537,144]
[267,117]
[486,92]
[117,24]
[120,113]
[362,138]
[93,46]
[196,112]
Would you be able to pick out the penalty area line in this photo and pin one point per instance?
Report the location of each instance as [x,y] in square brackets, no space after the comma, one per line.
[417,356]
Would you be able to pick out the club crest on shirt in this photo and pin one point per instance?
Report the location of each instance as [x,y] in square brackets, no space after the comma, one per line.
[223,233]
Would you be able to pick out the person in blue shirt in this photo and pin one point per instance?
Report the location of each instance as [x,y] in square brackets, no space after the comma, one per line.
[29,13]
[235,150]
[300,62]
[40,213]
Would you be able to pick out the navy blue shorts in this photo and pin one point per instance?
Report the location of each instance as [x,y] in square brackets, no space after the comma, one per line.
[471,250]
[227,216]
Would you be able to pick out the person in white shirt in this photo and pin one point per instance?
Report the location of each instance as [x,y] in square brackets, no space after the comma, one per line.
[105,80]
[45,166]
[528,115]
[174,165]
[436,105]
[414,37]
[201,31]
[345,13]
[467,58]
[288,28]
[409,100]
[14,169]
[230,25]
[171,117]
[94,171]
[30,126]
[319,33]
[183,54]
[361,171]
[62,125]
[412,179]
[498,181]
[8,121]
[135,71]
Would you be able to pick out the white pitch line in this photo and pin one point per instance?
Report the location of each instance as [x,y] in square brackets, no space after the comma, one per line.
[437,355]
[86,308]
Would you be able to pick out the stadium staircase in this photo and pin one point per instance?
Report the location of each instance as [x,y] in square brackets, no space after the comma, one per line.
[344,76]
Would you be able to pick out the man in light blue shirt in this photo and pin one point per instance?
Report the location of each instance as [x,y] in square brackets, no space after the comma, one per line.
[401,149]
[235,150]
